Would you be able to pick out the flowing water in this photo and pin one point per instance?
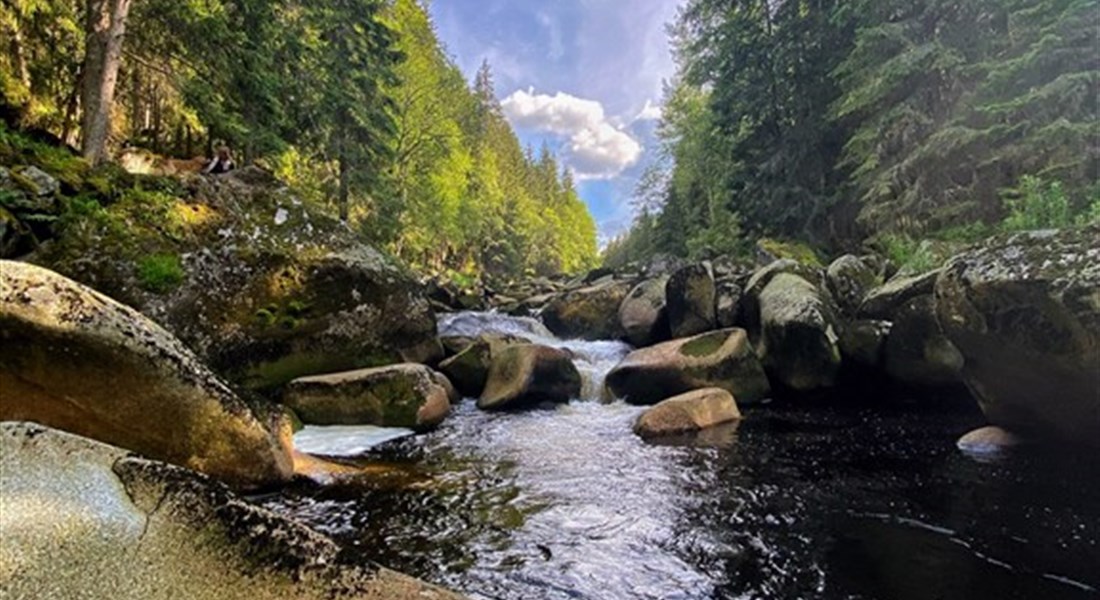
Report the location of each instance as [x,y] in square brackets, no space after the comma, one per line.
[854,500]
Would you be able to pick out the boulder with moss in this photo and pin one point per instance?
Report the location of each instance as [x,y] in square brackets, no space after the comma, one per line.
[526,375]
[723,359]
[77,360]
[406,395]
[1024,311]
[798,340]
[590,313]
[261,284]
[850,278]
[82,519]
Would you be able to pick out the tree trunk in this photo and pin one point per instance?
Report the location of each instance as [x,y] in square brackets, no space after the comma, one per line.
[343,199]
[104,31]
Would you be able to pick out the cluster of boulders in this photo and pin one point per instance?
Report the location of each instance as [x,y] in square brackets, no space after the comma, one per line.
[28,203]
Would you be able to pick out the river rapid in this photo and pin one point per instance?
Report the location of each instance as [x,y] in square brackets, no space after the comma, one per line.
[839,498]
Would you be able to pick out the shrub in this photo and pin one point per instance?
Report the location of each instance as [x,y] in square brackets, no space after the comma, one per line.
[1037,205]
[159,273]
[912,255]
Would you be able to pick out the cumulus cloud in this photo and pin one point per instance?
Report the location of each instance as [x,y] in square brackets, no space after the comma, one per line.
[597,149]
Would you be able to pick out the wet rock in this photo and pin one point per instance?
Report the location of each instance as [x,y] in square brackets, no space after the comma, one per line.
[83,519]
[527,375]
[469,369]
[850,278]
[405,395]
[1024,311]
[722,359]
[916,350]
[987,440]
[74,359]
[693,411]
[690,294]
[590,313]
[798,343]
[643,314]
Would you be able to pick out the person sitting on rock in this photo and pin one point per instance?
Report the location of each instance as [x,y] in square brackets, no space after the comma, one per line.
[222,162]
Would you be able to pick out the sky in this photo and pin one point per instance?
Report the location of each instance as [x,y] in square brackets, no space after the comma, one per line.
[584,76]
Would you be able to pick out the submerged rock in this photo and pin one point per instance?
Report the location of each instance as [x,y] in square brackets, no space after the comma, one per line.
[644,313]
[77,360]
[690,292]
[722,359]
[82,519]
[798,341]
[407,395]
[526,375]
[1024,311]
[590,313]
[693,411]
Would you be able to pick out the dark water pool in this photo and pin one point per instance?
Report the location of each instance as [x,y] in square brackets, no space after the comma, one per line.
[857,502]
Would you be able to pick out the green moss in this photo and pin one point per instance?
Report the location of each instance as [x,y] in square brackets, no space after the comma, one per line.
[160,273]
[704,345]
[272,374]
[796,251]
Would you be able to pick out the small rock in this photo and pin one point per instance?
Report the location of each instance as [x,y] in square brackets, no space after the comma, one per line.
[988,440]
[693,411]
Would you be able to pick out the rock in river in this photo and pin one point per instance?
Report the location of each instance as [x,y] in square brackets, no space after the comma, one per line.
[722,359]
[691,304]
[1024,311]
[799,343]
[644,315]
[406,395]
[528,374]
[82,519]
[74,359]
[693,411]
[590,313]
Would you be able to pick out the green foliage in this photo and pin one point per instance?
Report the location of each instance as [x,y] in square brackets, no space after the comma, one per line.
[159,273]
[910,255]
[1037,205]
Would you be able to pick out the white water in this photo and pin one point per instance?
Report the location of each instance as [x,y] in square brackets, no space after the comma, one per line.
[593,360]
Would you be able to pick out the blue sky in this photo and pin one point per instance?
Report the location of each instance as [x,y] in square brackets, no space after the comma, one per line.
[585,76]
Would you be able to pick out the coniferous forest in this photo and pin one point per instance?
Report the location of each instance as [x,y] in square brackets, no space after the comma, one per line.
[894,123]
[353,103]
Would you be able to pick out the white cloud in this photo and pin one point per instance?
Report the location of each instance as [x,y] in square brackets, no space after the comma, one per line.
[651,112]
[597,149]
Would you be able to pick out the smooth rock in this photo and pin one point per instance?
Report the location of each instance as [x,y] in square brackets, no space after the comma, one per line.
[77,360]
[883,301]
[690,295]
[1024,311]
[987,440]
[590,313]
[723,359]
[405,395]
[692,411]
[527,375]
[798,344]
[644,315]
[82,519]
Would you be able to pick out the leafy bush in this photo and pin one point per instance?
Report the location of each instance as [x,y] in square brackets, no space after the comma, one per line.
[912,255]
[159,273]
[1037,205]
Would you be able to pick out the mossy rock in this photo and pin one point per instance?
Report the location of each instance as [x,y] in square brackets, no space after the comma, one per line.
[798,342]
[590,313]
[526,375]
[770,250]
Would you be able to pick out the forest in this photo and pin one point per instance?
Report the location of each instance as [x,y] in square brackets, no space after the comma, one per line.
[889,125]
[355,103]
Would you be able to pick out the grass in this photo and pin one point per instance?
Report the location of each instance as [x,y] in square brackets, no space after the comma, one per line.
[160,273]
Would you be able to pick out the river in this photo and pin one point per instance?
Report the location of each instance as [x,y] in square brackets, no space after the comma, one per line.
[850,498]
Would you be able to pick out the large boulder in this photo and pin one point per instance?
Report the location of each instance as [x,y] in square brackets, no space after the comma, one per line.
[850,278]
[527,375]
[690,292]
[798,341]
[405,395]
[261,285]
[590,313]
[82,519]
[722,359]
[693,411]
[77,360]
[916,351]
[644,315]
[1024,311]
[883,301]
